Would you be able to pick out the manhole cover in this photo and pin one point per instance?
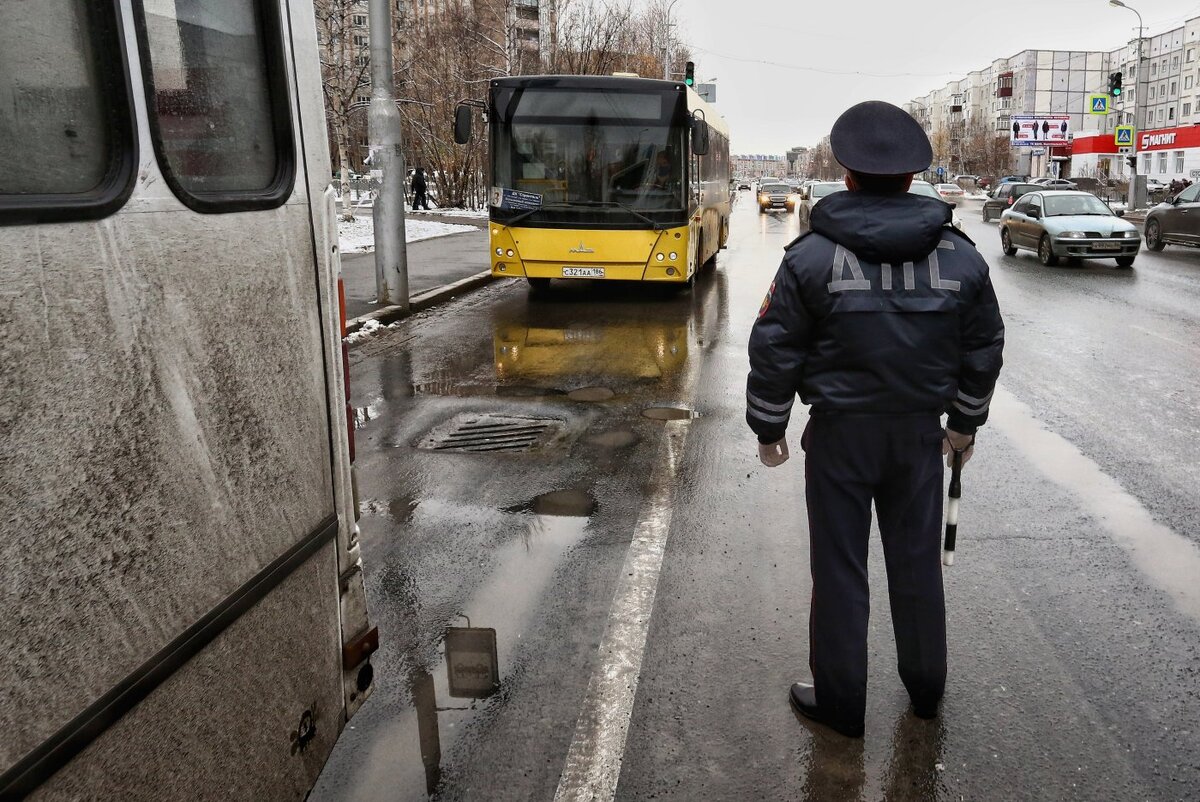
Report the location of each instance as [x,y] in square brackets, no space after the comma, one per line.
[591,394]
[476,432]
[668,413]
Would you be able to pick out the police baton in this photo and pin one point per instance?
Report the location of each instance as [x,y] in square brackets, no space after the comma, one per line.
[952,506]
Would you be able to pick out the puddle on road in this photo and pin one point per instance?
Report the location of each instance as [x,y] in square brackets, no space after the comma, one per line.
[406,752]
[669,413]
[558,503]
[1167,558]
[618,438]
[364,415]
[591,394]
[457,389]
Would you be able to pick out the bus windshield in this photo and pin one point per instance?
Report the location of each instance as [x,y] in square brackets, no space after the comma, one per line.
[589,156]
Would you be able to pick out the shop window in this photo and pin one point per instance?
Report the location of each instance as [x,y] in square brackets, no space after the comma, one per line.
[65,116]
[1179,161]
[1162,163]
[217,92]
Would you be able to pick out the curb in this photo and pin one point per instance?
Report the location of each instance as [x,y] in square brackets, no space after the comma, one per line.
[421,301]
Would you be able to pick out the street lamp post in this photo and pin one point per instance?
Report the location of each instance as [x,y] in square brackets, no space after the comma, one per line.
[667,44]
[1135,197]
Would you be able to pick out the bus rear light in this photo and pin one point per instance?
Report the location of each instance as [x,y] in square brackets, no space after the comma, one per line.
[509,253]
[674,256]
[660,257]
[670,271]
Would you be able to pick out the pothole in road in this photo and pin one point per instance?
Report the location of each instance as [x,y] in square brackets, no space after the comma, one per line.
[668,413]
[620,438]
[564,503]
[591,394]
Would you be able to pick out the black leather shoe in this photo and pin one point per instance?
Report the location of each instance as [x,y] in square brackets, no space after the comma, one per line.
[804,700]
[925,711]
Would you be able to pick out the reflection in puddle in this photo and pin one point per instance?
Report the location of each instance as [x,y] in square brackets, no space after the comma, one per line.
[650,349]
[669,413]
[406,755]
[591,394]
[364,415]
[619,438]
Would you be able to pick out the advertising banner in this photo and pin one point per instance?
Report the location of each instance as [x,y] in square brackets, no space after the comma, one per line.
[1040,129]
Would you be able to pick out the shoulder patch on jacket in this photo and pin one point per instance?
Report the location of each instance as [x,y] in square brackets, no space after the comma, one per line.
[766,304]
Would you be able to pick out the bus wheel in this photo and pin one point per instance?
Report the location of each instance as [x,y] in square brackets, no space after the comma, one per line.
[538,284]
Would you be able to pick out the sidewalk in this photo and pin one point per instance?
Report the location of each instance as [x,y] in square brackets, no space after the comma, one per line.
[432,264]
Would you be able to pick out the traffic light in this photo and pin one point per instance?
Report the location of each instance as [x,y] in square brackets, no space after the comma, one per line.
[1114,84]
[1132,160]
[689,73]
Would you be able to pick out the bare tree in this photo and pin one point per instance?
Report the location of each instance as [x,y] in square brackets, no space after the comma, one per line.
[345,72]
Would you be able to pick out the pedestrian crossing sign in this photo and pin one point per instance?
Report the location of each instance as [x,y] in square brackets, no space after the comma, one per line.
[1123,135]
[1098,104]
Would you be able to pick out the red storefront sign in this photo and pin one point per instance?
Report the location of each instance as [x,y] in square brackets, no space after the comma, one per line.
[1169,138]
[1156,139]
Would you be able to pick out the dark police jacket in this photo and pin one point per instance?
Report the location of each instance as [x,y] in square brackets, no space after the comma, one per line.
[882,308]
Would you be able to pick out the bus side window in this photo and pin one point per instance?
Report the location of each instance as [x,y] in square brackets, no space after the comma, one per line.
[216,88]
[65,119]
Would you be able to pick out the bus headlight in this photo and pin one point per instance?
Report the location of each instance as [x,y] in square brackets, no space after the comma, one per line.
[660,257]
[499,251]
[674,256]
[509,253]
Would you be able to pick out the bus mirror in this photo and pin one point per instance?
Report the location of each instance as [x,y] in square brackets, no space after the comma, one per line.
[699,137]
[462,125]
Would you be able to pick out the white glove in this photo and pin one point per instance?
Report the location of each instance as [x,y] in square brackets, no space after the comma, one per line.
[773,454]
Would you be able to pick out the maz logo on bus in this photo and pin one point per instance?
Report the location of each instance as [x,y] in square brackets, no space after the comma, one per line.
[581,249]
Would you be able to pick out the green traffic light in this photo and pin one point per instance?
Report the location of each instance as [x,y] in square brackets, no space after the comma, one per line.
[1116,91]
[689,81]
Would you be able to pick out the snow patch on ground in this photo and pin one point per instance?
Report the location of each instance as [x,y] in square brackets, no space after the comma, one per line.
[358,235]
[473,214]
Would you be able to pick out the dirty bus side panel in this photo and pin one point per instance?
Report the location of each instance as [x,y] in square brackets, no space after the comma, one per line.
[173,529]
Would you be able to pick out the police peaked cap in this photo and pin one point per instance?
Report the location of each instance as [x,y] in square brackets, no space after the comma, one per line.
[877,138]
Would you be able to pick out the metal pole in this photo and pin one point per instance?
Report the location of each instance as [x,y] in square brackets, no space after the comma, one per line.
[387,155]
[667,44]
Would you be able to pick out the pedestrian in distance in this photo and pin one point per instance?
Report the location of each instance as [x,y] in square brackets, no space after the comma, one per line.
[881,317]
[418,190]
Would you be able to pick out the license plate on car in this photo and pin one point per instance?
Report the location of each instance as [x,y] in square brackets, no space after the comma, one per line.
[583,272]
[1106,246]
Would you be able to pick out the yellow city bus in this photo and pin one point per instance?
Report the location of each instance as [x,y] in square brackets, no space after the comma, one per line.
[602,177]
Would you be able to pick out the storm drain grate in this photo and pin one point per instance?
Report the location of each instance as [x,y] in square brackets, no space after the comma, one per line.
[473,432]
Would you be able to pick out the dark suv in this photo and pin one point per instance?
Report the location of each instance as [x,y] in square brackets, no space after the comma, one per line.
[1176,221]
[1004,197]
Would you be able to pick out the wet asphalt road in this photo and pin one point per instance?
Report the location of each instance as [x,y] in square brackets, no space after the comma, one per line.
[1074,607]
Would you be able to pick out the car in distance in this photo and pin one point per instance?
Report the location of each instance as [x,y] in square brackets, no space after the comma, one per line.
[773,196]
[1004,197]
[950,192]
[743,185]
[1061,223]
[1176,221]
[1054,183]
[812,193]
[926,189]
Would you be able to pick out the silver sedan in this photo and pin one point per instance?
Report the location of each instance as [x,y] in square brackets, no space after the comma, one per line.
[1074,225]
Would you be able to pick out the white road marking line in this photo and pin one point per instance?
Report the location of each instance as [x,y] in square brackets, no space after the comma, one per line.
[593,764]
[1156,334]
[1167,558]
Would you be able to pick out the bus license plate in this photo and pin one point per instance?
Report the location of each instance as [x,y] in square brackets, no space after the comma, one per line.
[583,272]
[1106,246]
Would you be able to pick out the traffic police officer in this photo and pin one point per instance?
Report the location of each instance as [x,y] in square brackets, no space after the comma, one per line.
[881,317]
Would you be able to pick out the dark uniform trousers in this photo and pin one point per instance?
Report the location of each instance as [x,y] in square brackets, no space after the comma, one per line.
[895,461]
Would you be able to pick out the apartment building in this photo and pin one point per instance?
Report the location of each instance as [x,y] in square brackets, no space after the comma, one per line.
[1056,82]
[759,164]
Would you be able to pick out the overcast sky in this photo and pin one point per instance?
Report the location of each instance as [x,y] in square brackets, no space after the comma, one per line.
[826,55]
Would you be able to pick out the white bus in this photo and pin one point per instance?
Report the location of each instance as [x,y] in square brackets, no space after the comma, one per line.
[180,589]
